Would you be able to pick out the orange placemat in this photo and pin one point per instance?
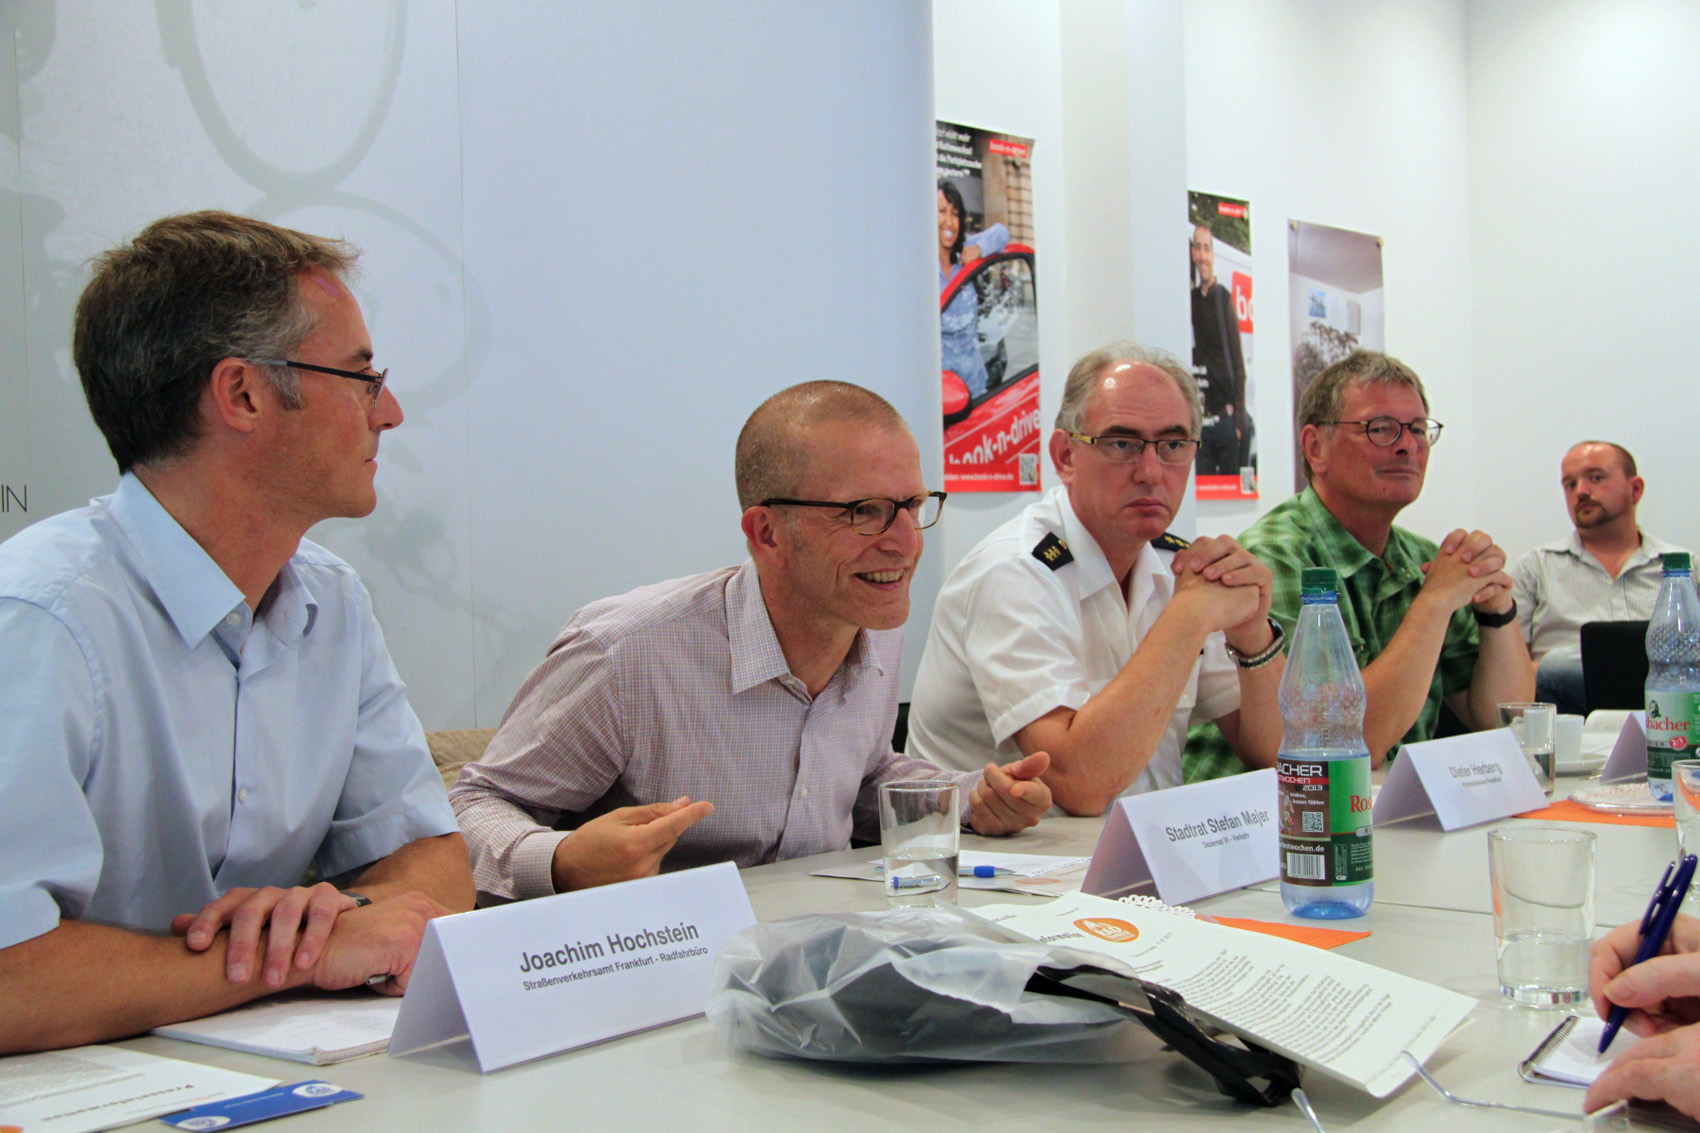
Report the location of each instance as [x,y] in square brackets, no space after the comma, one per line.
[1304,934]
[1569,810]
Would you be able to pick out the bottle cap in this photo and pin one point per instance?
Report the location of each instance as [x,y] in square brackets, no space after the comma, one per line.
[1318,580]
[1675,560]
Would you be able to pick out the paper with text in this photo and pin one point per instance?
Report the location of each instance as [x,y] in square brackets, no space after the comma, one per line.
[1189,841]
[1342,1017]
[536,977]
[1461,780]
[102,1087]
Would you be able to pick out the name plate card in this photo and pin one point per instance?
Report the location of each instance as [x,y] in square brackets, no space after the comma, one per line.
[1461,780]
[1190,841]
[537,977]
[1628,758]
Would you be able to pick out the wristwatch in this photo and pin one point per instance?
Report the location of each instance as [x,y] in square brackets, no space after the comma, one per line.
[1265,655]
[1494,621]
[360,899]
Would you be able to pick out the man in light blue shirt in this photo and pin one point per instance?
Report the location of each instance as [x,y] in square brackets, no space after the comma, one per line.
[198,702]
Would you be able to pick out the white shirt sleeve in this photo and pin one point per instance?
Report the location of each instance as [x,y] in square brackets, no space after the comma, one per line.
[1022,640]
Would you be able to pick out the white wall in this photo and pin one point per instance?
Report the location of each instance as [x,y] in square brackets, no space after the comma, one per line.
[673,211]
[670,211]
[1351,114]
[1584,159]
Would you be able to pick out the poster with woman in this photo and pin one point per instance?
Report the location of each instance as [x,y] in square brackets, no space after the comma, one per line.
[1219,237]
[988,311]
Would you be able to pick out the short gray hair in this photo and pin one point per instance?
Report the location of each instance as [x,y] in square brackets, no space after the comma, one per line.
[1083,381]
[1321,400]
[774,446]
[165,308]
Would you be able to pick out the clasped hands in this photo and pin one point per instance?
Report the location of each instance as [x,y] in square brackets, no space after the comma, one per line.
[1469,569]
[1234,586]
[313,935]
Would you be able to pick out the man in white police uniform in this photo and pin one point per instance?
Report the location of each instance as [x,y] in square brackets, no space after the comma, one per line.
[1081,628]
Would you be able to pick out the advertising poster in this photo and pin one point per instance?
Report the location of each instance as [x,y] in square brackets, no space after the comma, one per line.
[988,311]
[1335,296]
[1219,237]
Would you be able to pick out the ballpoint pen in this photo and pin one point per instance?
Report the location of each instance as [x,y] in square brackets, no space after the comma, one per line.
[1655,926]
[984,871]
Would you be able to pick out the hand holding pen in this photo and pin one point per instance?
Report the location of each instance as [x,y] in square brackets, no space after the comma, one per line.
[1661,991]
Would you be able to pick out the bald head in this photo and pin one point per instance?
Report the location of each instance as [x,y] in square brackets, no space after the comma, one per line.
[775,444]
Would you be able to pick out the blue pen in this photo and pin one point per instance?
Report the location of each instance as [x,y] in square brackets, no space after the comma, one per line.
[1655,927]
[984,871]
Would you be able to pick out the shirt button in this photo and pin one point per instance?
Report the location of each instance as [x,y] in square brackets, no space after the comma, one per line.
[242,795]
[804,792]
[233,619]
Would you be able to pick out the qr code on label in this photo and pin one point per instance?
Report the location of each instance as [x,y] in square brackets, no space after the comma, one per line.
[1028,471]
[1312,822]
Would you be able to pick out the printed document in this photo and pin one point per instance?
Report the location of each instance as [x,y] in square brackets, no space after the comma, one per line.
[1348,1019]
[102,1087]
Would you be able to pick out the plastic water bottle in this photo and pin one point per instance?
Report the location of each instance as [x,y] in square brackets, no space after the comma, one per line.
[1327,866]
[1673,674]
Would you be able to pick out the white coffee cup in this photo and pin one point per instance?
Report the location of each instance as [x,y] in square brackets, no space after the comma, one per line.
[1567,741]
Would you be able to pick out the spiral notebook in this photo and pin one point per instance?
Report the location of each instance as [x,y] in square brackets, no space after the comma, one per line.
[1569,1056]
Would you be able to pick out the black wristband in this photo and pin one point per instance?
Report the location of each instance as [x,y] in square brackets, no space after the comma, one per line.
[1494,621]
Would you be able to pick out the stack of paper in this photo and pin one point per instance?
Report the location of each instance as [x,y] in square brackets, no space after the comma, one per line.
[315,1027]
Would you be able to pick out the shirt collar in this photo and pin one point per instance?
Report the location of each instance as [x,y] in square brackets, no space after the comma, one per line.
[1093,571]
[194,590]
[1649,551]
[1150,576]
[196,594]
[1346,554]
[756,655]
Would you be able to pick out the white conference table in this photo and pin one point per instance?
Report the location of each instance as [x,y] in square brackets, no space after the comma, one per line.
[683,1077]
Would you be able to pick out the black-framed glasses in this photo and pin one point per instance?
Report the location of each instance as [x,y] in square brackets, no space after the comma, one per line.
[875,515]
[1125,449]
[374,381]
[1384,431]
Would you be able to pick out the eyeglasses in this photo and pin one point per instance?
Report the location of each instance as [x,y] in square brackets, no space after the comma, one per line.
[375,381]
[875,515]
[1126,450]
[1384,431]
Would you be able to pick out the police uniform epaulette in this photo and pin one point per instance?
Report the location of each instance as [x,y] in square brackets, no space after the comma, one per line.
[1170,542]
[1053,552]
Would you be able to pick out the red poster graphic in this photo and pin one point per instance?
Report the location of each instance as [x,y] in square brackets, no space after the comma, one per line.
[1219,235]
[988,311]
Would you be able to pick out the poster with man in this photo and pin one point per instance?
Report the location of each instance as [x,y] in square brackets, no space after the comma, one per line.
[988,311]
[1219,235]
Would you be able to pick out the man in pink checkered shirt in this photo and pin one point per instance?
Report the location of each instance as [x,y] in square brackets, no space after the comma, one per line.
[769,688]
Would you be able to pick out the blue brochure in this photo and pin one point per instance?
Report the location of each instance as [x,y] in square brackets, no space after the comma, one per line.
[279,1101]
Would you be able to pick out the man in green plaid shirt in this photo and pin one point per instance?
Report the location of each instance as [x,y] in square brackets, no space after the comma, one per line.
[1428,622]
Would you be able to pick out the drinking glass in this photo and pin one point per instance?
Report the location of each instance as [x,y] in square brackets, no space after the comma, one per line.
[1543,912]
[1533,725]
[919,834]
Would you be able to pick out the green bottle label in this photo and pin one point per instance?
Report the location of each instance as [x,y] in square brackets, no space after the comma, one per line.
[1325,821]
[1671,729]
